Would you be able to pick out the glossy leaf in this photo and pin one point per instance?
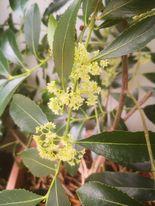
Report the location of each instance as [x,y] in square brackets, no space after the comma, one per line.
[32,27]
[136,186]
[8,90]
[4,67]
[52,24]
[99,194]
[26,113]
[150,76]
[38,166]
[9,47]
[132,39]
[19,197]
[88,8]
[64,38]
[127,8]
[120,146]
[150,112]
[57,196]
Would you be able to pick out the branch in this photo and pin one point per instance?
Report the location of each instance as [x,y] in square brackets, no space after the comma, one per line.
[141,102]
[123,93]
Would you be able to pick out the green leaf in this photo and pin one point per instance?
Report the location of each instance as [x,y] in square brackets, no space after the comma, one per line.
[32,25]
[136,186]
[53,7]
[4,67]
[64,40]
[132,39]
[26,113]
[18,5]
[88,8]
[19,197]
[2,82]
[52,24]
[57,196]
[120,146]
[127,8]
[150,76]
[8,90]
[9,47]
[38,166]
[99,194]
[150,112]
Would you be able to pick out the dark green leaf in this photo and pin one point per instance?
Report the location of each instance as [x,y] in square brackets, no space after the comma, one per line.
[150,112]
[9,47]
[109,23]
[120,146]
[150,76]
[88,8]
[38,166]
[127,8]
[136,186]
[57,196]
[26,113]
[4,67]
[32,27]
[19,197]
[99,194]
[53,7]
[8,90]
[52,24]
[133,39]
[64,39]
[17,5]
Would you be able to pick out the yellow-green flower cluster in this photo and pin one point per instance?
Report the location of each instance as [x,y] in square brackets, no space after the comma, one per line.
[82,88]
[109,73]
[54,147]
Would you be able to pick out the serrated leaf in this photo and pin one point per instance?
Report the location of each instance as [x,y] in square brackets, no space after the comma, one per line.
[32,24]
[38,166]
[26,113]
[8,90]
[150,76]
[120,146]
[9,47]
[52,24]
[64,40]
[88,8]
[127,8]
[99,194]
[4,67]
[136,186]
[150,112]
[132,39]
[19,197]
[57,196]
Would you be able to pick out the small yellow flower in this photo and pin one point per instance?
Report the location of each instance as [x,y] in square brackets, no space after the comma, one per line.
[54,147]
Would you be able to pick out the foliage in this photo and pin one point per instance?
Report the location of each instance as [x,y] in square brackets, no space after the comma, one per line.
[98,60]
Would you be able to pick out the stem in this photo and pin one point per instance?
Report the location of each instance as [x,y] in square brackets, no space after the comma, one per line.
[97,121]
[146,133]
[141,102]
[53,180]
[123,92]
[91,25]
[68,121]
[8,144]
